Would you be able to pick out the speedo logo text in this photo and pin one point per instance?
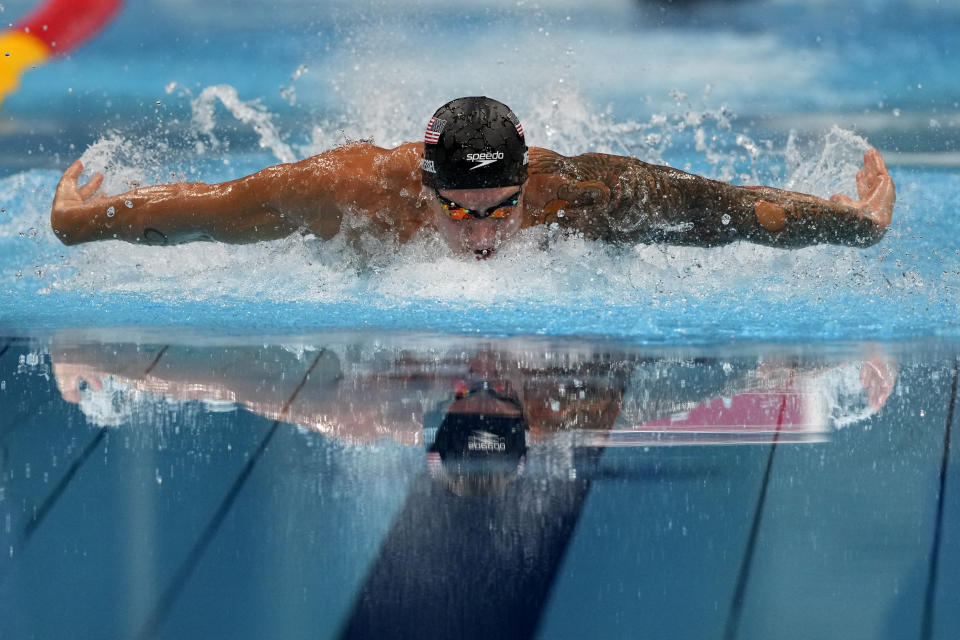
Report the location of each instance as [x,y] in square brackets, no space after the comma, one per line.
[483,159]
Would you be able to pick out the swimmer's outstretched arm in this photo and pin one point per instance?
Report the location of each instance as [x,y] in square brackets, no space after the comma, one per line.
[622,199]
[310,195]
[238,211]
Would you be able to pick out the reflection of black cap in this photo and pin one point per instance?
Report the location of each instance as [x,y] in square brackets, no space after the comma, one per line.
[474,143]
[475,442]
[479,452]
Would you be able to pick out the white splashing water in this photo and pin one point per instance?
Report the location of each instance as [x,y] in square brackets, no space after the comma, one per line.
[833,170]
[249,112]
[375,272]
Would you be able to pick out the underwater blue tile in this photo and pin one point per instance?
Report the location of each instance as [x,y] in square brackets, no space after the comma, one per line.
[946,602]
[125,521]
[24,378]
[659,543]
[123,526]
[299,540]
[42,437]
[35,458]
[844,542]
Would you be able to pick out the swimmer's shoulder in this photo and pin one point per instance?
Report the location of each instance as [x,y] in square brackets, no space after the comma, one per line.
[364,158]
[582,167]
[359,179]
[544,162]
[580,186]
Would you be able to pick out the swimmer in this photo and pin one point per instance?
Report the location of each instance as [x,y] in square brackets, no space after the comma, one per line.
[476,183]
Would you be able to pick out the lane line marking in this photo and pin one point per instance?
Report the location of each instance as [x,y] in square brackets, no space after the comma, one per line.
[170,594]
[746,565]
[926,629]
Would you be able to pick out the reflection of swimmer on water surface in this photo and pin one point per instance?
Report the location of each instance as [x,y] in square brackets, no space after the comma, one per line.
[357,401]
[407,395]
[474,181]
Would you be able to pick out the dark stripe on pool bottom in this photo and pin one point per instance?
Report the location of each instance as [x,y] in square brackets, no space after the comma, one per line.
[41,511]
[6,348]
[156,360]
[926,629]
[468,567]
[189,564]
[735,613]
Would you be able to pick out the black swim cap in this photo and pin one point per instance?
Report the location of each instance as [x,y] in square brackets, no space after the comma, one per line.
[474,143]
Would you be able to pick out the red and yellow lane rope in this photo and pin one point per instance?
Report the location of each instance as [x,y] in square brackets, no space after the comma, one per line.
[57,27]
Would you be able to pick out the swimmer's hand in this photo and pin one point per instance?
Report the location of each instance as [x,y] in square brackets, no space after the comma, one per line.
[875,189]
[71,197]
[71,194]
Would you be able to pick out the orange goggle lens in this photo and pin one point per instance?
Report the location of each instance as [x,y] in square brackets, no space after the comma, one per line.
[499,211]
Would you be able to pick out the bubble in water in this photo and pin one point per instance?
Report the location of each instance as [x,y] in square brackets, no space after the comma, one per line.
[111,212]
[725,219]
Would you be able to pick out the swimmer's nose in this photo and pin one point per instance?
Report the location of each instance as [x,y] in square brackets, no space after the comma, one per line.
[481,235]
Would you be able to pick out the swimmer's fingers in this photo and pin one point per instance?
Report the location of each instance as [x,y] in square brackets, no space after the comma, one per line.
[867,181]
[88,190]
[873,173]
[67,186]
[873,161]
[875,189]
[70,193]
[878,376]
[880,201]
[867,175]
[881,193]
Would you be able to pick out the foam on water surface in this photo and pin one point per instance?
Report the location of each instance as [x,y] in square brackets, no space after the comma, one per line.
[664,87]
[542,283]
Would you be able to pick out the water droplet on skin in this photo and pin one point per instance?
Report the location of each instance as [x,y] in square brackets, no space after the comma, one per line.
[111,212]
[725,219]
[128,204]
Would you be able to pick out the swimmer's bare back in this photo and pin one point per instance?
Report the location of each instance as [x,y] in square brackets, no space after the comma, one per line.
[613,198]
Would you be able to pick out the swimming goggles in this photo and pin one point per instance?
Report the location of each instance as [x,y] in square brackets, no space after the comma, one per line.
[499,211]
[499,389]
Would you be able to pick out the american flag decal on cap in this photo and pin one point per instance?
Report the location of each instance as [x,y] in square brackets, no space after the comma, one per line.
[434,129]
[516,122]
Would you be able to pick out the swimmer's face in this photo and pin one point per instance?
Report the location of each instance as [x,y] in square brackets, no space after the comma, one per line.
[477,237]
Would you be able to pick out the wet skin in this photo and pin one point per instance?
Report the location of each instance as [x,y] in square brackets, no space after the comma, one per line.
[615,199]
[373,401]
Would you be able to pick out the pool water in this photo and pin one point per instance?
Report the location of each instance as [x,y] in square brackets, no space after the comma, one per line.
[731,90]
[272,440]
[161,486]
